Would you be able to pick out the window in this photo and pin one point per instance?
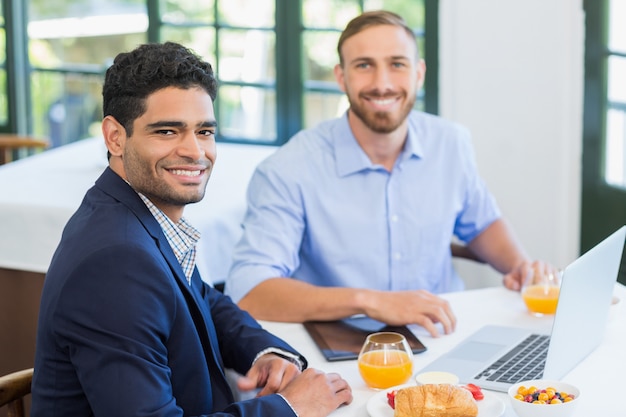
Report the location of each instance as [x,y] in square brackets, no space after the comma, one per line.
[604,133]
[4,109]
[274,59]
[70,45]
[615,153]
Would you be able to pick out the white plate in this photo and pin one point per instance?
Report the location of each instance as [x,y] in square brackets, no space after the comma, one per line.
[377,406]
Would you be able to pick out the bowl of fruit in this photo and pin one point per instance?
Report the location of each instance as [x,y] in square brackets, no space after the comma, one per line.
[544,398]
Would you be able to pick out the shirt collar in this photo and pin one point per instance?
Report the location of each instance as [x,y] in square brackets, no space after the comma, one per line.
[182,236]
[351,158]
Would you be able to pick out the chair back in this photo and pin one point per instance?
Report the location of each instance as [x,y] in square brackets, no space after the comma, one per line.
[9,143]
[13,388]
[461,251]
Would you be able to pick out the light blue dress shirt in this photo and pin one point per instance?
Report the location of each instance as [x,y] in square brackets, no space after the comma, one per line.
[320,211]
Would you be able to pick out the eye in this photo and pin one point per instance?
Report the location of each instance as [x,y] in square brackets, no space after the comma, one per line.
[165,132]
[363,65]
[206,132]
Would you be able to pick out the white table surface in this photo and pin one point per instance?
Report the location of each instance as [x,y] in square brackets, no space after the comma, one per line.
[38,194]
[600,376]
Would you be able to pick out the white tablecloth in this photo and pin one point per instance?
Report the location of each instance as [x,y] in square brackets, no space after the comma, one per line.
[599,376]
[38,195]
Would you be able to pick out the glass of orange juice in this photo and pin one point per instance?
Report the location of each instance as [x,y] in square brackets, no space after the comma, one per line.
[540,291]
[385,360]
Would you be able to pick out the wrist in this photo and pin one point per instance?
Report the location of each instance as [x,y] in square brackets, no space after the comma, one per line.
[291,357]
[288,403]
[363,300]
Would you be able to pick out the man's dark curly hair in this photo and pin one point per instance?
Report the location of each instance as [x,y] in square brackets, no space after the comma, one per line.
[148,68]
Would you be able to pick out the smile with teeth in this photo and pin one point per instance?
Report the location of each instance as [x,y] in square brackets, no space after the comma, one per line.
[383,102]
[186,173]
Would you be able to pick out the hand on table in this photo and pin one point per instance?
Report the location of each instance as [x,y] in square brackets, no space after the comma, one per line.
[315,393]
[311,393]
[412,307]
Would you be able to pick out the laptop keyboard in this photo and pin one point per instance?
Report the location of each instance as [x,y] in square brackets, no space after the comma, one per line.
[524,361]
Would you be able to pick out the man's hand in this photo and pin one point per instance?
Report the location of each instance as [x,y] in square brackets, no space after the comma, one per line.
[514,280]
[411,307]
[270,372]
[315,393]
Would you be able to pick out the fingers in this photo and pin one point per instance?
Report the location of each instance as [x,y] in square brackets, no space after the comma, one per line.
[341,387]
[314,393]
[445,317]
[271,373]
[279,378]
[526,271]
[245,383]
[436,310]
[513,281]
[428,324]
[414,307]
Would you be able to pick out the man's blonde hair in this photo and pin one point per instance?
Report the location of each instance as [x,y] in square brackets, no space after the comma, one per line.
[369,19]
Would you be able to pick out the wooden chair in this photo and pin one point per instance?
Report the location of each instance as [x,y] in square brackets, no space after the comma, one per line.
[11,142]
[13,388]
[461,251]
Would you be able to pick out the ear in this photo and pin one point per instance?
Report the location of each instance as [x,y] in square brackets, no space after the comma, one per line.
[114,135]
[339,76]
[420,73]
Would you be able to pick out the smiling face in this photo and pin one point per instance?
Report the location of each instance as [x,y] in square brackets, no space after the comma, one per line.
[381,74]
[171,153]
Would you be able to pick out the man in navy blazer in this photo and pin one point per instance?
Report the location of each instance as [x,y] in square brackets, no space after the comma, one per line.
[127,327]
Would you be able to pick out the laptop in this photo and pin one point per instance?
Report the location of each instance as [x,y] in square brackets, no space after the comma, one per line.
[485,358]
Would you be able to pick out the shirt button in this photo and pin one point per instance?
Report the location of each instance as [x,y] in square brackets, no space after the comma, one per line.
[397,256]
[394,218]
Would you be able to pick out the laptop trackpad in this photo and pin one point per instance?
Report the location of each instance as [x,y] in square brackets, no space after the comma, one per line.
[476,351]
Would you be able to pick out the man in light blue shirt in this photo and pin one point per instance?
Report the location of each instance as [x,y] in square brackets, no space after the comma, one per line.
[356,215]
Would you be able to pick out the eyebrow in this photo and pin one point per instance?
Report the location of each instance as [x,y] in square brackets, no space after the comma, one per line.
[177,123]
[370,59]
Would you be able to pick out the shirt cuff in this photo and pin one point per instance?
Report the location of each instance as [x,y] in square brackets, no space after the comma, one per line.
[295,359]
[288,403]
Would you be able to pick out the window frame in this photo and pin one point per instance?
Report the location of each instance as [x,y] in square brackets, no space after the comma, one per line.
[289,87]
[602,205]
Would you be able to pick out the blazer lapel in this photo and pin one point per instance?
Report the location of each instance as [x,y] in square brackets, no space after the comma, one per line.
[112,184]
[205,327]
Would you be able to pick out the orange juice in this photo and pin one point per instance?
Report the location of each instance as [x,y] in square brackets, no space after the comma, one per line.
[541,299]
[385,368]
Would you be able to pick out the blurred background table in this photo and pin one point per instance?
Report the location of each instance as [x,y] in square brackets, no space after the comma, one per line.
[600,376]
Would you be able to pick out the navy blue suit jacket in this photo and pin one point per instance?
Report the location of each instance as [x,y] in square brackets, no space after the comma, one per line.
[121,333]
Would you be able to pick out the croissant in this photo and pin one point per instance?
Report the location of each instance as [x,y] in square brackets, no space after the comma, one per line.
[434,400]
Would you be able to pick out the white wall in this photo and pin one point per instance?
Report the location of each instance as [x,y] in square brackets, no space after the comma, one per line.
[512,71]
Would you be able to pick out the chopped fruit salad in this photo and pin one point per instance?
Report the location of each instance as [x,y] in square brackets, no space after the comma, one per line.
[542,396]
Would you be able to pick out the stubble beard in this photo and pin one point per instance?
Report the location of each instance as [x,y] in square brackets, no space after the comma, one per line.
[143,181]
[381,121]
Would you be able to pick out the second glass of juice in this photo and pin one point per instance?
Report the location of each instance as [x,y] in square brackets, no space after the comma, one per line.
[540,291]
[385,360]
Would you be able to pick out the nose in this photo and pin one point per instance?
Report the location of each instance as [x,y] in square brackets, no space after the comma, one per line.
[191,147]
[382,79]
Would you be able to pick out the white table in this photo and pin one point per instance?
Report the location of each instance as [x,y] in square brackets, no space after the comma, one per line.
[600,376]
[38,195]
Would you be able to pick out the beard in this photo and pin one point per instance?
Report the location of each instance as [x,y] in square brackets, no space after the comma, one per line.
[158,192]
[144,180]
[381,121]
